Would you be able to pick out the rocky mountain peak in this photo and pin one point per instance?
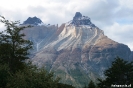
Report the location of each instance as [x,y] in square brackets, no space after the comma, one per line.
[77,51]
[77,15]
[78,19]
[33,21]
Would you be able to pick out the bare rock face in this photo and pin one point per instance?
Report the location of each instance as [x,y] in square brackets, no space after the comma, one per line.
[77,51]
[39,35]
[78,19]
[33,21]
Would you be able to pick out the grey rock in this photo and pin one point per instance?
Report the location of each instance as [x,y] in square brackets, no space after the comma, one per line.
[78,19]
[77,54]
[32,21]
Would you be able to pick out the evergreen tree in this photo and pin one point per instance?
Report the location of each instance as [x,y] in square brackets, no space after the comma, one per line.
[120,73]
[14,49]
[91,84]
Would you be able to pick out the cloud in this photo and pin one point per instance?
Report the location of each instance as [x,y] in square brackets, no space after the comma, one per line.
[102,10]
[112,16]
[120,33]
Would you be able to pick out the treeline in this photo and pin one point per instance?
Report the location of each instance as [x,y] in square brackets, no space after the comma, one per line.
[17,72]
[15,69]
[119,75]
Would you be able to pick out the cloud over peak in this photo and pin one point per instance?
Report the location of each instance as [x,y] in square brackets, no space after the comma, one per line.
[113,15]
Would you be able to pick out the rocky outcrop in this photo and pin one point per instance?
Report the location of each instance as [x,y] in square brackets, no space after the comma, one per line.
[77,52]
[78,19]
[33,21]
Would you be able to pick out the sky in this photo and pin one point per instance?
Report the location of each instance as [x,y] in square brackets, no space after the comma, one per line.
[114,17]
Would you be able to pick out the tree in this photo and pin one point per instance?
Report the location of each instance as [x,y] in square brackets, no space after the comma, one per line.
[4,75]
[120,73]
[32,77]
[91,84]
[14,71]
[14,49]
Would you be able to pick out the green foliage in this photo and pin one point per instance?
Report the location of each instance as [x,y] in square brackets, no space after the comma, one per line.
[120,73]
[31,77]
[102,83]
[14,72]
[4,75]
[14,49]
[91,84]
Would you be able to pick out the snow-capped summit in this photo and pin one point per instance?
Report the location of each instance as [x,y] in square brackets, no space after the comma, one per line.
[33,21]
[79,20]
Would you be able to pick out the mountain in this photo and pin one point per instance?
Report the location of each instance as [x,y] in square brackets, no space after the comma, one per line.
[77,51]
[33,21]
[78,19]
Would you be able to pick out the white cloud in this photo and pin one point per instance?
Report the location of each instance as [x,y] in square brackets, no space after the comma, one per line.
[112,16]
[120,33]
[2,27]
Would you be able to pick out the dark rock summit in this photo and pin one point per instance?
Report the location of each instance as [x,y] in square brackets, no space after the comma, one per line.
[33,21]
[77,15]
[78,19]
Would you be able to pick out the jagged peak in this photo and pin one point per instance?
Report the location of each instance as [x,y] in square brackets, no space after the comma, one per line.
[79,19]
[78,15]
[33,21]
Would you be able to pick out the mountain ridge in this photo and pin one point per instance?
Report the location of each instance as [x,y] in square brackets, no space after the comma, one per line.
[77,51]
